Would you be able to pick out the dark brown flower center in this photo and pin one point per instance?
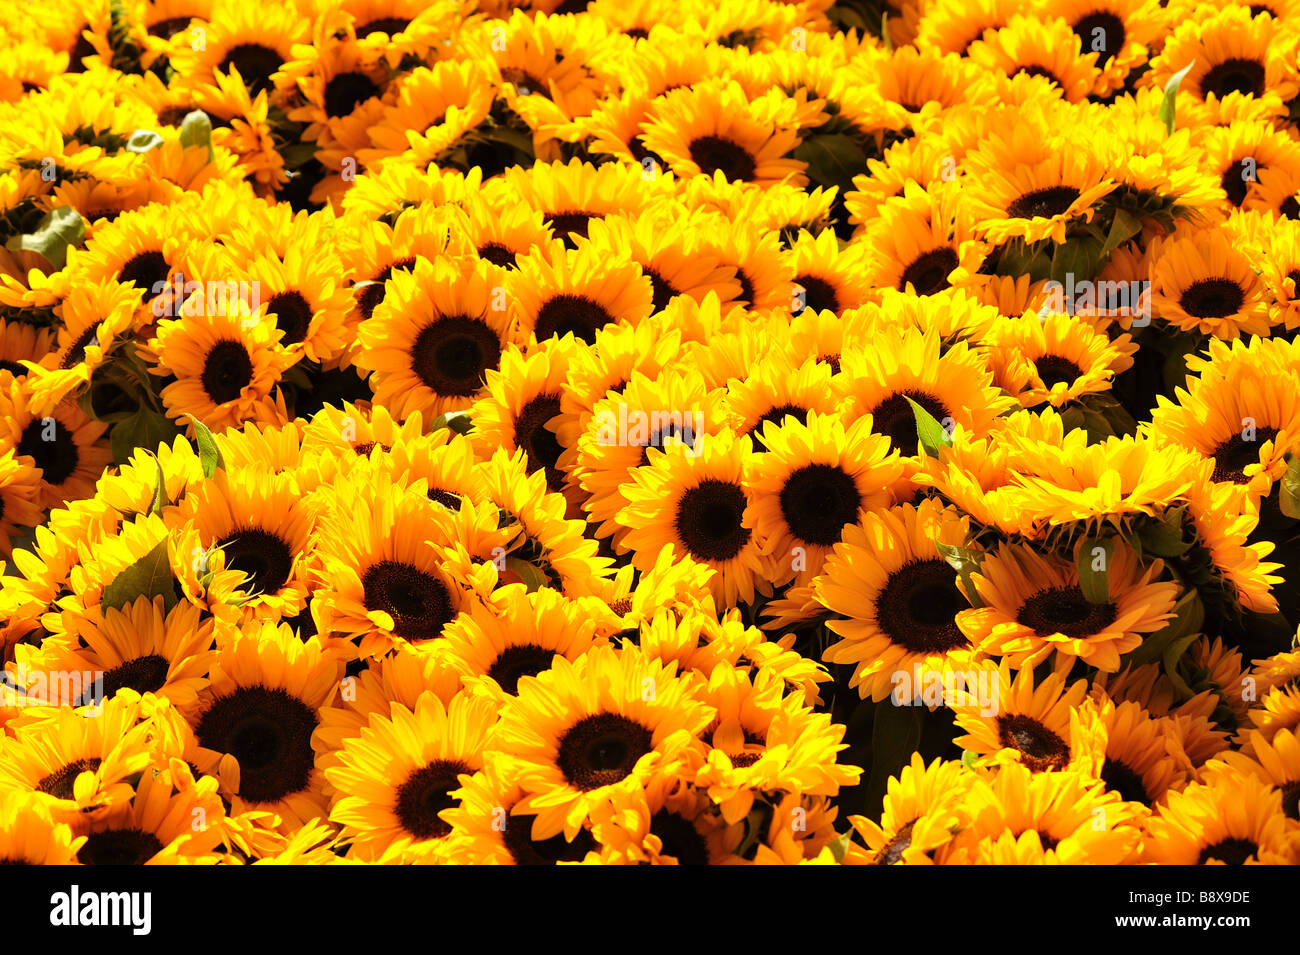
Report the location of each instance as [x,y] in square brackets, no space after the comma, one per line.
[1232,457]
[893,850]
[166,29]
[119,847]
[918,606]
[1100,32]
[1234,76]
[713,153]
[818,294]
[452,355]
[426,792]
[566,314]
[369,296]
[539,443]
[777,416]
[1045,203]
[418,603]
[817,501]
[145,270]
[1237,178]
[709,519]
[1119,778]
[292,314]
[345,92]
[895,419]
[268,730]
[1065,610]
[525,659]
[1055,370]
[255,63]
[569,226]
[263,557]
[77,350]
[680,838]
[1040,749]
[1212,298]
[929,272]
[497,254]
[601,750]
[59,783]
[518,839]
[388,25]
[51,446]
[227,370]
[1229,851]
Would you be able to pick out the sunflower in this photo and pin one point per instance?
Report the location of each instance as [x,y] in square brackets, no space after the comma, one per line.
[19,500]
[503,235]
[775,388]
[923,240]
[1056,359]
[245,44]
[514,636]
[697,499]
[261,528]
[909,365]
[1200,282]
[1235,818]
[669,822]
[425,754]
[1035,184]
[1120,32]
[714,128]
[435,337]
[389,572]
[30,835]
[816,479]
[827,278]
[558,292]
[487,829]
[1135,761]
[1029,722]
[765,741]
[1038,47]
[1026,818]
[65,446]
[168,821]
[580,728]
[924,807]
[667,247]
[1230,55]
[255,722]
[140,647]
[1033,606]
[20,342]
[894,598]
[225,369]
[1276,761]
[1224,529]
[521,404]
[77,760]
[951,26]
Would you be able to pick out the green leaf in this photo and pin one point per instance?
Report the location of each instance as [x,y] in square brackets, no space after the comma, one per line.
[150,576]
[1094,580]
[143,140]
[144,429]
[885,38]
[1172,654]
[1288,493]
[1123,227]
[210,458]
[969,758]
[839,846]
[1163,536]
[966,562]
[929,433]
[895,736]
[196,130]
[57,230]
[833,159]
[1189,615]
[458,421]
[1169,103]
[160,492]
[532,575]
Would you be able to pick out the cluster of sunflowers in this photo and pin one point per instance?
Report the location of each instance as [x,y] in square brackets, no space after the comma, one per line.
[628,432]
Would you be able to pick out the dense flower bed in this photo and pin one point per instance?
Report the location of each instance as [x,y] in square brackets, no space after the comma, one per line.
[701,432]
